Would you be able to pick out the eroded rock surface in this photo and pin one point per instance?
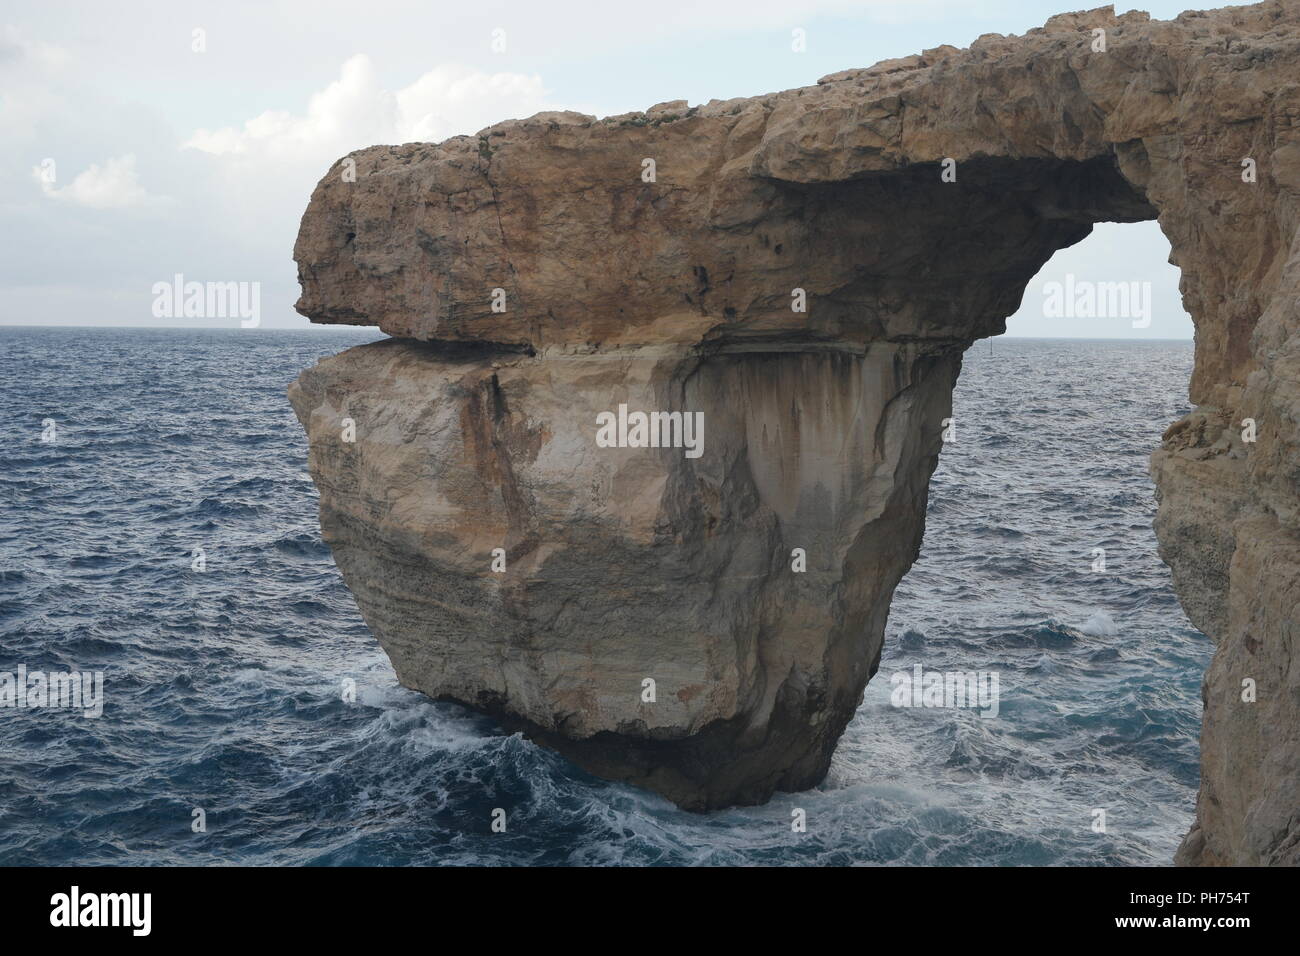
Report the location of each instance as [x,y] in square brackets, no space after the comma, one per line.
[476,428]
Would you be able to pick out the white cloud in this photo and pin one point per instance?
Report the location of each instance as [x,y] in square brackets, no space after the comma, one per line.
[355,111]
[119,85]
[28,71]
[449,101]
[15,48]
[111,186]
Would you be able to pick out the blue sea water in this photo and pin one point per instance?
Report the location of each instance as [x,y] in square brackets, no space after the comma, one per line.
[223,687]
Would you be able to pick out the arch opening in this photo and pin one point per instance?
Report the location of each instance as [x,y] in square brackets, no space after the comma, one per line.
[1039,574]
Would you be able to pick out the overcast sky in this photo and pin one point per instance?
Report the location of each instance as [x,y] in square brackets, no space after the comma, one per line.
[128,157]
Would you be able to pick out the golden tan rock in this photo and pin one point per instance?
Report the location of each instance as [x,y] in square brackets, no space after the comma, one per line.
[547,270]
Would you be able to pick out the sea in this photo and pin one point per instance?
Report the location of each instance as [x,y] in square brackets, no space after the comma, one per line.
[157,524]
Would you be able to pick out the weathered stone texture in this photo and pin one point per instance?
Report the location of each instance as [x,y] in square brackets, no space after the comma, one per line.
[476,430]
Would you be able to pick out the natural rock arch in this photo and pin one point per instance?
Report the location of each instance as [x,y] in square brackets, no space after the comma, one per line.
[475,427]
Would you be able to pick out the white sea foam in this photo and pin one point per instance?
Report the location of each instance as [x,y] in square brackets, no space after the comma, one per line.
[1100,624]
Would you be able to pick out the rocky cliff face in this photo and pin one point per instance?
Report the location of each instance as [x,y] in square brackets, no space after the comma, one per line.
[800,272]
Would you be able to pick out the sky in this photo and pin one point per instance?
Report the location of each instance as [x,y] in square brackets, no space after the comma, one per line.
[141,140]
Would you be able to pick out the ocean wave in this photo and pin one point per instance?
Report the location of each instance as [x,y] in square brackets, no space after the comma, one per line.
[252,690]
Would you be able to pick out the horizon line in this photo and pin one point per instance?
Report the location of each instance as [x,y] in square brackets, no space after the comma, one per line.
[342,326]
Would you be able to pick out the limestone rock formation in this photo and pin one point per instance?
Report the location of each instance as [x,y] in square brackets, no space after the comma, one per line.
[549,270]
